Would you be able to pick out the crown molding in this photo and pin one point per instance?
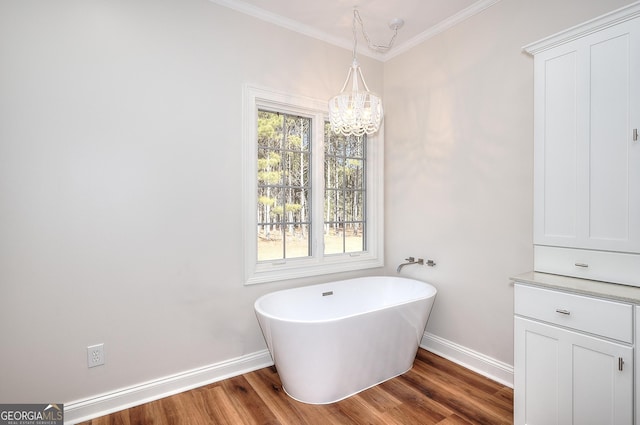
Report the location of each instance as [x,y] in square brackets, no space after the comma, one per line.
[440,27]
[292,25]
[599,23]
[307,30]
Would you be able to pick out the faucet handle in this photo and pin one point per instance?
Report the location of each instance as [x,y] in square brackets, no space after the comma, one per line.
[411,259]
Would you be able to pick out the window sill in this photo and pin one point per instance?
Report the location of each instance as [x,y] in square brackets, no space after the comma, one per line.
[293,269]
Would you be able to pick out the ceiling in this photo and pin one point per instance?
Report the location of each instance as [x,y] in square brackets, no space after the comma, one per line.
[331,20]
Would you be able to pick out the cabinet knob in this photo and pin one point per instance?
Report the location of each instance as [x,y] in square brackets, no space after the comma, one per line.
[563,311]
[583,265]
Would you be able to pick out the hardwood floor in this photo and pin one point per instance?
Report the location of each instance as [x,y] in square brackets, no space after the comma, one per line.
[434,391]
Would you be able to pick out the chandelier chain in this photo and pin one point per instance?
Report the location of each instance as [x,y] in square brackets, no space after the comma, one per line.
[377,47]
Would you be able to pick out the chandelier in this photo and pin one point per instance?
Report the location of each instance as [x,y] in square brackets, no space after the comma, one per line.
[359,111]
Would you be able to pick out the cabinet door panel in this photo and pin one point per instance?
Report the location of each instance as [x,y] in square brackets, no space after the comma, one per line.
[537,374]
[609,139]
[636,369]
[559,150]
[601,392]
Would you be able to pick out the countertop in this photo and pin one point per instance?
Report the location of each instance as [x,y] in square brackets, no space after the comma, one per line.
[613,291]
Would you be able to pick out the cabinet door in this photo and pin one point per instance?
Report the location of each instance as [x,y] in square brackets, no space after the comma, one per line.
[611,156]
[587,165]
[602,381]
[556,146]
[564,377]
[538,372]
[637,368]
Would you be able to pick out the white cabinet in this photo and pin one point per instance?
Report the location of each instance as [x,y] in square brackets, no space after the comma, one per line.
[637,369]
[565,377]
[571,368]
[586,161]
[587,165]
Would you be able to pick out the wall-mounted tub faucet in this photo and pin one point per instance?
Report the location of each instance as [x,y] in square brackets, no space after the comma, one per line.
[410,260]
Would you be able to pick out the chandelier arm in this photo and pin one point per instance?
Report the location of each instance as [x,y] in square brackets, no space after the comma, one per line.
[344,86]
[364,83]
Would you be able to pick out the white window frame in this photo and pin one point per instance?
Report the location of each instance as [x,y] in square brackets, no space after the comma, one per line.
[255,98]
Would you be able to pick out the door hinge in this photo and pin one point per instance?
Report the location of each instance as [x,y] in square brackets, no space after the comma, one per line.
[620,363]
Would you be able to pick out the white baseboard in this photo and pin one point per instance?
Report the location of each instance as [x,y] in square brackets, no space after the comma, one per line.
[84,410]
[93,407]
[484,365]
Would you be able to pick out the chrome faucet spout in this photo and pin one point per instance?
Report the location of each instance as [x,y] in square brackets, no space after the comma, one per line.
[410,260]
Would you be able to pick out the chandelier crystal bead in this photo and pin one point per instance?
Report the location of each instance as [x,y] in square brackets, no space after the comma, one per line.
[355,112]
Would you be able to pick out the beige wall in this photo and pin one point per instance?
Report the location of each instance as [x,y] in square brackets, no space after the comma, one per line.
[459,158]
[120,186]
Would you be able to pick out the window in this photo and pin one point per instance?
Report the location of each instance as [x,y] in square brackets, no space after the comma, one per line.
[312,200]
[284,186]
[344,193]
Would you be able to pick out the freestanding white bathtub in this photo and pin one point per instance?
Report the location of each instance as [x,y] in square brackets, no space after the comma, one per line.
[333,340]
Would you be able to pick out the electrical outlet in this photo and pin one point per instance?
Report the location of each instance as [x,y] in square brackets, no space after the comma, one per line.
[95,355]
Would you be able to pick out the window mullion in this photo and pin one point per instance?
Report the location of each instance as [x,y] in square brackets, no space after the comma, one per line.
[317,184]
[283,196]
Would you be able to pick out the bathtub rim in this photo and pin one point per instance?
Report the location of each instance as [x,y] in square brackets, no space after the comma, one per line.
[432,294]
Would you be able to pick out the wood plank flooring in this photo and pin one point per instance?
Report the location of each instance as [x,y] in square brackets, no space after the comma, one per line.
[434,391]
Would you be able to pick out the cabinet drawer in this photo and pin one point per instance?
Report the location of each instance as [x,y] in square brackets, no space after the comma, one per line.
[616,267]
[606,318]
